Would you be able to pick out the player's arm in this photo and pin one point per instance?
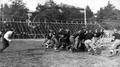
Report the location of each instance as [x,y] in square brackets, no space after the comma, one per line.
[7,38]
[76,34]
[113,38]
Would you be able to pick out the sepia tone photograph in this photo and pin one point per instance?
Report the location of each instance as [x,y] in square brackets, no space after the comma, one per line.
[59,33]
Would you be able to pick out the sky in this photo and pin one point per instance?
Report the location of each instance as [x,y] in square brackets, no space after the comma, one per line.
[94,5]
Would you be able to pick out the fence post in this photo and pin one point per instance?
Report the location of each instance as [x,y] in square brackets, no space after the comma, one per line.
[56,21]
[45,21]
[77,25]
[85,16]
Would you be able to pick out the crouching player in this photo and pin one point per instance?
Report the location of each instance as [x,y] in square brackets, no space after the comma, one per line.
[76,39]
[90,43]
[116,43]
[89,40]
[64,35]
[48,39]
[6,40]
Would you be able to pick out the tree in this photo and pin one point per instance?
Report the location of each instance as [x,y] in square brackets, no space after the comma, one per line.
[89,13]
[16,11]
[48,11]
[107,13]
[5,10]
[100,14]
[62,12]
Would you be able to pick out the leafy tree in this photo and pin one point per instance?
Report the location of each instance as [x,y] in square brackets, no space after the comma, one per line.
[89,13]
[62,12]
[107,13]
[5,10]
[48,11]
[16,11]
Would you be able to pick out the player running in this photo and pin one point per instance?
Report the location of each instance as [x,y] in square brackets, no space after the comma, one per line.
[6,40]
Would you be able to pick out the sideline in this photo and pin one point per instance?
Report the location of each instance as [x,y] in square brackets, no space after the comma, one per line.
[26,39]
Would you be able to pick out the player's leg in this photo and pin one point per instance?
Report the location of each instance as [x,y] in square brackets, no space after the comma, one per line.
[65,42]
[118,50]
[55,44]
[87,44]
[60,43]
[5,44]
[72,42]
[115,46]
[93,46]
[112,47]
[76,42]
[45,41]
[68,43]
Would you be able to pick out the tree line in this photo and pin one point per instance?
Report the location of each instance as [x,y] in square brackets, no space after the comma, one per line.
[50,11]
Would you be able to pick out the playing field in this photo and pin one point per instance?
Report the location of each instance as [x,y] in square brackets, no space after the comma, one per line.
[30,53]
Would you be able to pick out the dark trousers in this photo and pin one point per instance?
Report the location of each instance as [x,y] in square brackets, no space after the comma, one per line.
[5,44]
[62,43]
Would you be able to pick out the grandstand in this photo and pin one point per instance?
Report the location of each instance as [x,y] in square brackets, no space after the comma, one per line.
[35,30]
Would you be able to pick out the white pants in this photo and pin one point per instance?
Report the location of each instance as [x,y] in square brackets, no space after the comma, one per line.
[115,44]
[89,44]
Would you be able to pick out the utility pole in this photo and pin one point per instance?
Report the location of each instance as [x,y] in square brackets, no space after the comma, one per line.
[84,12]
[85,16]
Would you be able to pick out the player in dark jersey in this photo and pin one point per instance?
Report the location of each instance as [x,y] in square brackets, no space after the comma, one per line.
[74,40]
[77,38]
[88,39]
[90,42]
[48,39]
[67,39]
[89,35]
[64,35]
[97,36]
[61,34]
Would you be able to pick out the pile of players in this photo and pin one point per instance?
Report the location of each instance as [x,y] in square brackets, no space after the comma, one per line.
[64,40]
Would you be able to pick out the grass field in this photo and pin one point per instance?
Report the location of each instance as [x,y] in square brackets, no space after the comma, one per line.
[30,53]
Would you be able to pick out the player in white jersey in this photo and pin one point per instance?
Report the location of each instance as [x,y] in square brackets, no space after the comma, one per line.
[6,40]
